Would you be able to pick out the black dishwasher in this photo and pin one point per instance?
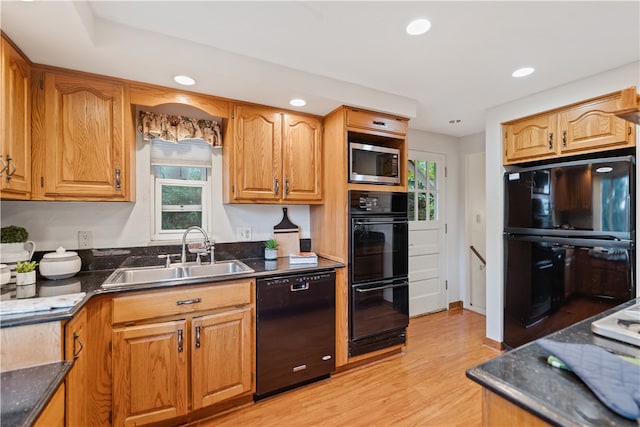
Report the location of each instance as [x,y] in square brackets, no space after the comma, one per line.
[295,331]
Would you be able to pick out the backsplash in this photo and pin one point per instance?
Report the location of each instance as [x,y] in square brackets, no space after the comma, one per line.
[110,259]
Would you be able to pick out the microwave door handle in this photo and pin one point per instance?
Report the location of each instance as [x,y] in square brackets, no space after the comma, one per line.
[381,222]
[399,285]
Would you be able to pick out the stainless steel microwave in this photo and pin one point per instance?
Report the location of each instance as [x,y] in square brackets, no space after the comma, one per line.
[373,164]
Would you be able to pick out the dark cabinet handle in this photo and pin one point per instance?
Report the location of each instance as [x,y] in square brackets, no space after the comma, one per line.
[551,141]
[286,186]
[277,186]
[189,301]
[180,338]
[379,123]
[76,339]
[10,164]
[564,138]
[197,336]
[117,179]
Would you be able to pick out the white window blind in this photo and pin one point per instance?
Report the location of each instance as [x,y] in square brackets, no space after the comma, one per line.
[185,153]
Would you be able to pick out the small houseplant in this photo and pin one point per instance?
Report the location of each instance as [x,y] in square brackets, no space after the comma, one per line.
[25,279]
[271,249]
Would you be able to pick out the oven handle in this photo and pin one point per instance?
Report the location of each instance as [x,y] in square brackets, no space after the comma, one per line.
[399,285]
[381,222]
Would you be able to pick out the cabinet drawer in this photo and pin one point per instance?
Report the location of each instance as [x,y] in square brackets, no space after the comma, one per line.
[167,303]
[367,120]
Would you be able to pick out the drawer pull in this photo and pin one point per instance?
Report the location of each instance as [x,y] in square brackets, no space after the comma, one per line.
[299,287]
[197,336]
[379,123]
[180,340]
[189,301]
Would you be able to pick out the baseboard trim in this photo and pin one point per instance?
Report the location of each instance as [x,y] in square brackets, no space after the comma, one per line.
[455,305]
[496,345]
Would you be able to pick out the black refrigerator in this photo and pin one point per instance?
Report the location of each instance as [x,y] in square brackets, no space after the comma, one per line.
[569,244]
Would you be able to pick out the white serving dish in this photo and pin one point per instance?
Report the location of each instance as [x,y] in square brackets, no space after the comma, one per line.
[60,264]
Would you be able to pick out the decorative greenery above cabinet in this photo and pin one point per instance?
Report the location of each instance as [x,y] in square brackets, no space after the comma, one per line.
[581,128]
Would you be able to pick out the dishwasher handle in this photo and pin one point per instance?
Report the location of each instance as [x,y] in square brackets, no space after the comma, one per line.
[299,287]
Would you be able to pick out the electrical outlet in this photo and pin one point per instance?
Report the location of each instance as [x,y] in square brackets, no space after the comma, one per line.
[244,233]
[85,240]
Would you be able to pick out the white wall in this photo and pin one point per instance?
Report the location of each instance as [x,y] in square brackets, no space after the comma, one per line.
[593,86]
[123,224]
[448,146]
[470,144]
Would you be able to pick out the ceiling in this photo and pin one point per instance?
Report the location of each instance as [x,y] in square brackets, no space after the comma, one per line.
[332,52]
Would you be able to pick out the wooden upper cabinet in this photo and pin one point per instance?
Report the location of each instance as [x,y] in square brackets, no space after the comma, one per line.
[84,147]
[258,144]
[16,124]
[276,157]
[376,122]
[593,126]
[531,138]
[585,127]
[302,158]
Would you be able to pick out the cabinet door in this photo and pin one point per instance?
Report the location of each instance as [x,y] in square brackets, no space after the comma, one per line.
[258,148]
[86,155]
[593,126]
[530,139]
[77,391]
[149,373]
[222,355]
[16,124]
[302,158]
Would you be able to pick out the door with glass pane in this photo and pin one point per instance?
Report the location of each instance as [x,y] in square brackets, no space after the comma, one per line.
[427,261]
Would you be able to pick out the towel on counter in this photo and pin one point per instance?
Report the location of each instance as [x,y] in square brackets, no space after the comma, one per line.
[615,381]
[30,305]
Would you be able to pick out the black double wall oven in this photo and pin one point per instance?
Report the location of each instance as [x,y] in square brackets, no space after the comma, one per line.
[378,270]
[569,243]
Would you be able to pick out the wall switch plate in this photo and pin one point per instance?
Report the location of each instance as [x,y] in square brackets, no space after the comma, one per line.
[85,240]
[244,233]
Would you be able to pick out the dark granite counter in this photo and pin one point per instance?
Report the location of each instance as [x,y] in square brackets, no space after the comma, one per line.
[26,392]
[559,397]
[90,282]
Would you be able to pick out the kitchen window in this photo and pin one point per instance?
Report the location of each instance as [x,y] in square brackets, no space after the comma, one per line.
[181,187]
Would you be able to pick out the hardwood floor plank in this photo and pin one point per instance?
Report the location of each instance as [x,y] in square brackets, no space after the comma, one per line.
[426,386]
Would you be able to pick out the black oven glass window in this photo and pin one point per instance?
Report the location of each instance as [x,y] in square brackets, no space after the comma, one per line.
[423,190]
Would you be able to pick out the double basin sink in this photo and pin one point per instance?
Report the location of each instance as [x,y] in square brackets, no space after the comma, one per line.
[181,272]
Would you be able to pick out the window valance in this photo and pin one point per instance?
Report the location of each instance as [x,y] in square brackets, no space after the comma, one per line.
[174,128]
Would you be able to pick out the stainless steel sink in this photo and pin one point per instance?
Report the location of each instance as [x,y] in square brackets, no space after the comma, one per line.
[187,272]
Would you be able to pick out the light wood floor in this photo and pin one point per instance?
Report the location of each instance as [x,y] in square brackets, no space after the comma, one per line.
[424,387]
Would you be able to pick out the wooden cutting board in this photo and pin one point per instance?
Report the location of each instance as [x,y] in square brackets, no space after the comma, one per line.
[287,234]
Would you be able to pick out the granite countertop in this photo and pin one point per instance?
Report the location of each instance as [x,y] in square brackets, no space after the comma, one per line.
[26,392]
[90,283]
[523,377]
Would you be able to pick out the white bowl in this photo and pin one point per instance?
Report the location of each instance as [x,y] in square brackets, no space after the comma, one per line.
[60,264]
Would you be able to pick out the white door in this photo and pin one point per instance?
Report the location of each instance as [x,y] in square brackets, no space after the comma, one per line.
[427,281]
[475,212]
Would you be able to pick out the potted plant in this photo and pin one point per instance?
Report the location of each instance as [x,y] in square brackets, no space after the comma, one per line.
[271,249]
[25,279]
[12,244]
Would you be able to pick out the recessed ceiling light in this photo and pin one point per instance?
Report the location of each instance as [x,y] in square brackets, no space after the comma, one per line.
[184,80]
[418,26]
[521,72]
[297,102]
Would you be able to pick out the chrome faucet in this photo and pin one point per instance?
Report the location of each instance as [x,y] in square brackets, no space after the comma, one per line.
[206,245]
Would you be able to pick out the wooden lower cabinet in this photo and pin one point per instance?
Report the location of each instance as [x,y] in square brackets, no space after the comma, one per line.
[498,411]
[149,373]
[53,413]
[170,359]
[77,396]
